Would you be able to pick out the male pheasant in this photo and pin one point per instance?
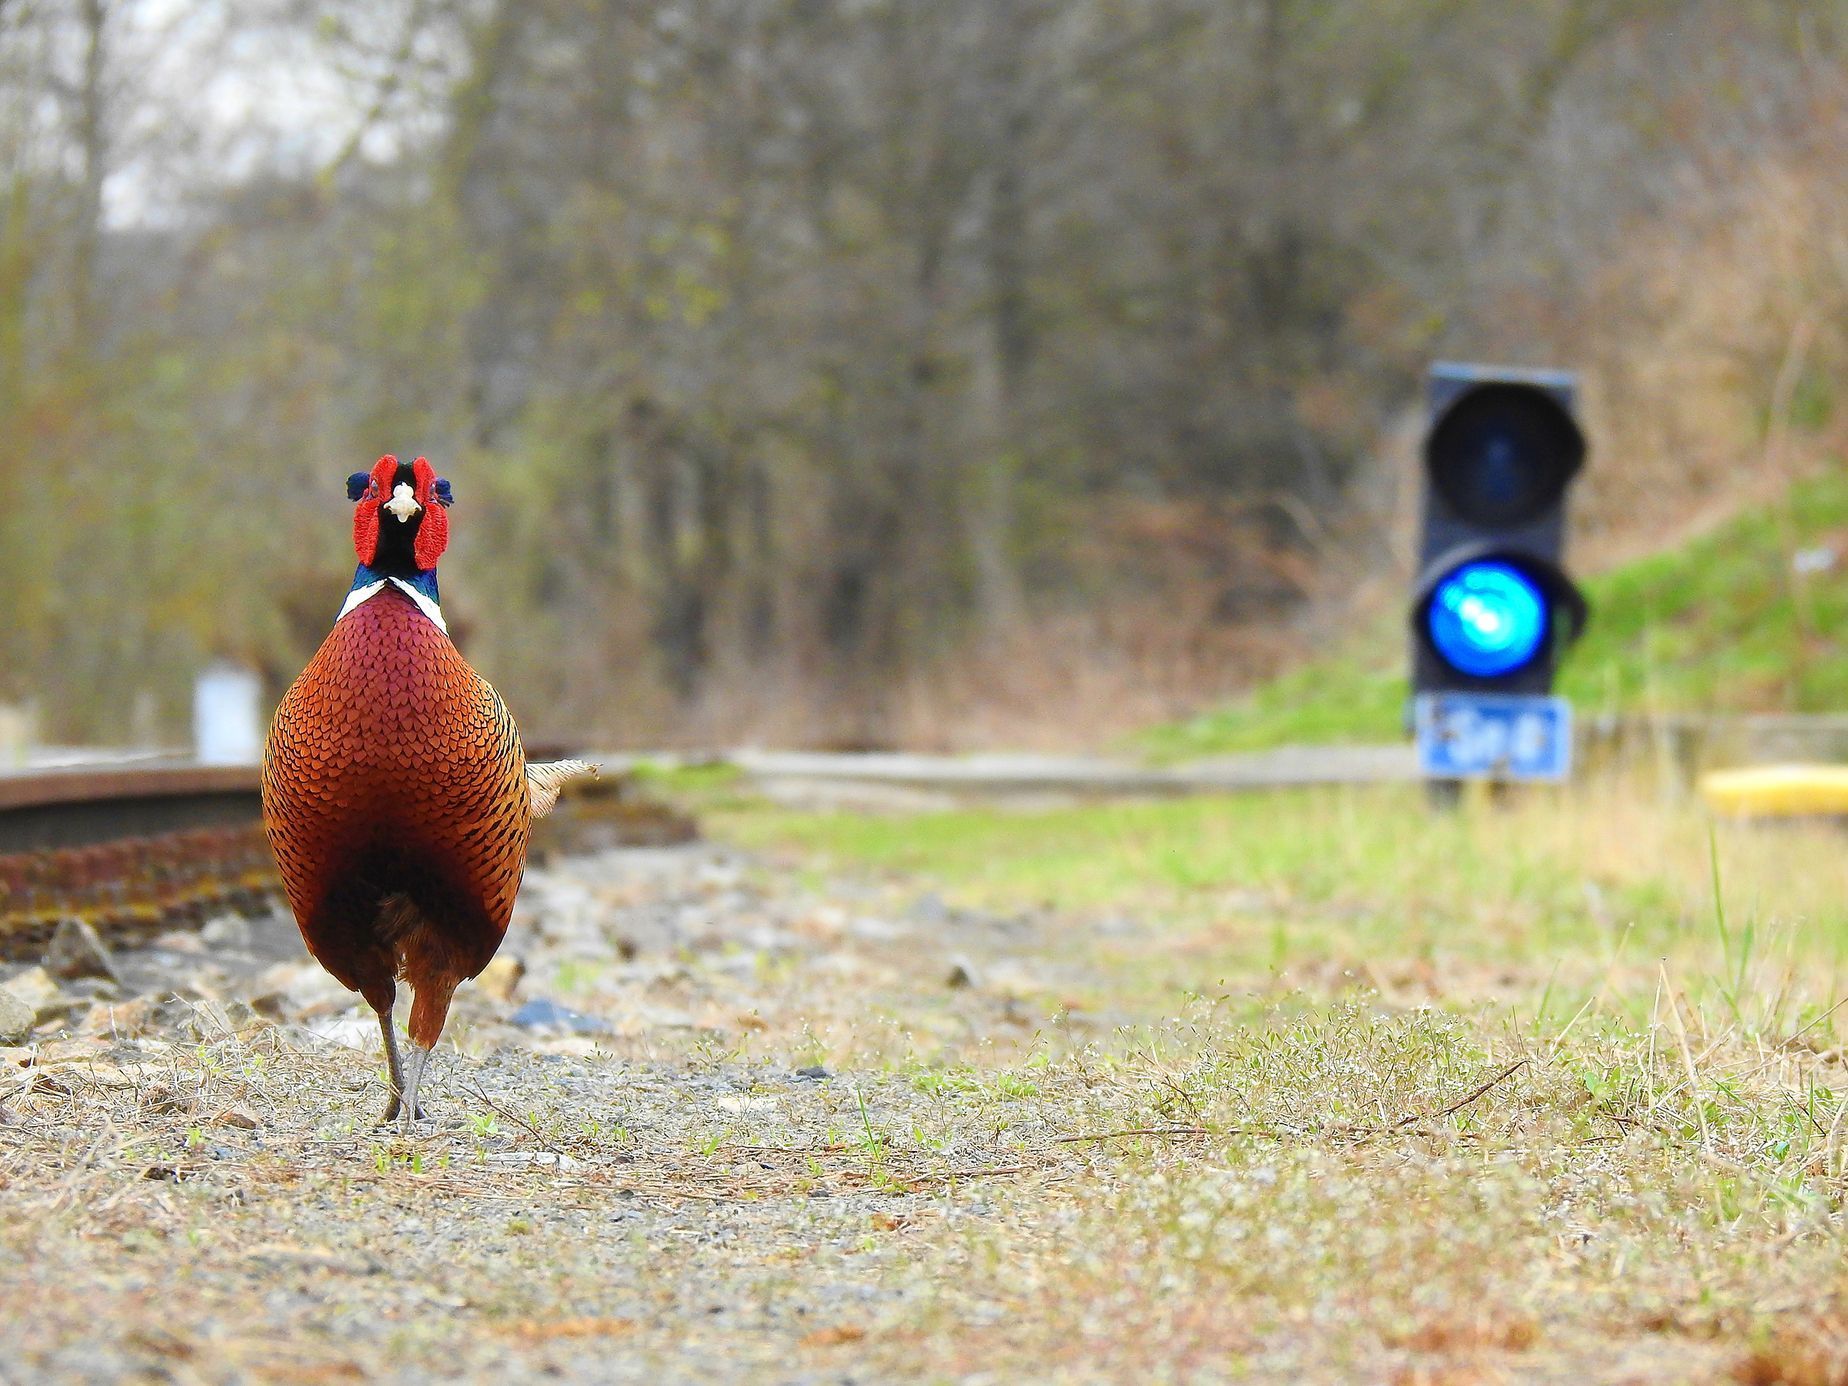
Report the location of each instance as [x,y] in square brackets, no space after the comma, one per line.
[396,794]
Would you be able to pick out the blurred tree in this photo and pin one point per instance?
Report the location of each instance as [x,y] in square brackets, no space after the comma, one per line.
[789,353]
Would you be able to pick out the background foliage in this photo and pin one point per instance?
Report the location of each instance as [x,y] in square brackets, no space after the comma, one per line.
[864,370]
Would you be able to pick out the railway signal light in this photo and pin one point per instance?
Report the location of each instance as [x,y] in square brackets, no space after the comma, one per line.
[1493,609]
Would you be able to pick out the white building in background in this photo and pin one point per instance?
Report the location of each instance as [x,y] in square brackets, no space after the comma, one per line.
[18,731]
[227,717]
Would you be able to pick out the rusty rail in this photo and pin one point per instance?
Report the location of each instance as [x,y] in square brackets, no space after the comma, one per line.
[138,850]
[130,851]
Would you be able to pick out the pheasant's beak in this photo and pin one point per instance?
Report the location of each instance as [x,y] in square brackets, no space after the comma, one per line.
[403,502]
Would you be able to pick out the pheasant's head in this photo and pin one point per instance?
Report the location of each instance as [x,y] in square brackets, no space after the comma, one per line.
[401,517]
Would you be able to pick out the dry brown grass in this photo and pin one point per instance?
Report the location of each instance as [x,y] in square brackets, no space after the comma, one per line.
[1799,1352]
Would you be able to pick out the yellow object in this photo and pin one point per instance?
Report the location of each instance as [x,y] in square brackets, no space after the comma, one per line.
[1778,791]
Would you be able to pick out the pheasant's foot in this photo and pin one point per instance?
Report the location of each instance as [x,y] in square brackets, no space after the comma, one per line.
[408,1111]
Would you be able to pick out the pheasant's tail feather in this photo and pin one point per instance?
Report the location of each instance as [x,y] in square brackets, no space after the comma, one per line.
[548,777]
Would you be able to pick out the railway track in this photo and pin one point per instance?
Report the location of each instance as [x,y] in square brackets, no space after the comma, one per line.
[131,851]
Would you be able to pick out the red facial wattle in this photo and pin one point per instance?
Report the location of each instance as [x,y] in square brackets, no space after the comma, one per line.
[433,532]
[366,512]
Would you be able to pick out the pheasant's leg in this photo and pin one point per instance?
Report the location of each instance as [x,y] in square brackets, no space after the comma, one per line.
[432,986]
[395,1066]
[414,1072]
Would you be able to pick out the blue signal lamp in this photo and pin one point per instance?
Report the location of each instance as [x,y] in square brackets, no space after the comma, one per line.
[1487,619]
[1497,617]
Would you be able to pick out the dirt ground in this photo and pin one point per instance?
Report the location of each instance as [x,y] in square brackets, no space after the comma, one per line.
[739,1123]
[656,1179]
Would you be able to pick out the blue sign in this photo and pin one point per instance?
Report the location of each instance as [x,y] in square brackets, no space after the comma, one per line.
[1493,736]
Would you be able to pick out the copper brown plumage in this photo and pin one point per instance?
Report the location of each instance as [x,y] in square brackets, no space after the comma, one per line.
[395,791]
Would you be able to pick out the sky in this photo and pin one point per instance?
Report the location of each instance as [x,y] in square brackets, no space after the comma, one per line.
[204,92]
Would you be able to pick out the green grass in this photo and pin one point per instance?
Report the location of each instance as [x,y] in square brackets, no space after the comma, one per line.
[1718,625]
[1353,698]
[1293,882]
[708,782]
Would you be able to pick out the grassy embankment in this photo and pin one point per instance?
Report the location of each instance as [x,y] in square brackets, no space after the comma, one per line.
[1718,625]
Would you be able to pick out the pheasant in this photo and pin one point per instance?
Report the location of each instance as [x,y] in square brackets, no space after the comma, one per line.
[396,794]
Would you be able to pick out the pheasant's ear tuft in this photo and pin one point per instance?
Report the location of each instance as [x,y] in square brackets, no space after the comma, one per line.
[444,496]
[357,484]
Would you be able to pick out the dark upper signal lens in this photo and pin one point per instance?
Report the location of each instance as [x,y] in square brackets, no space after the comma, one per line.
[1503,454]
